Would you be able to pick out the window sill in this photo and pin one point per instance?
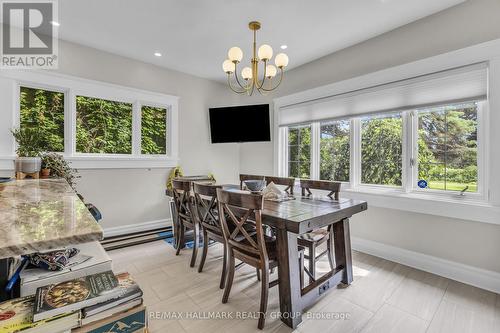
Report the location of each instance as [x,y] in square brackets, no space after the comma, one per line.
[107,162]
[464,208]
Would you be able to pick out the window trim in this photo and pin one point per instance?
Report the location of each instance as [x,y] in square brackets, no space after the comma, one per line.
[481,193]
[74,86]
[311,145]
[74,112]
[409,172]
[360,184]
[17,103]
[168,124]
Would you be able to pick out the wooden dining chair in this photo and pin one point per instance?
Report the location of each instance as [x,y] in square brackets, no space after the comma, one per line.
[205,199]
[183,199]
[311,240]
[251,246]
[244,177]
[289,182]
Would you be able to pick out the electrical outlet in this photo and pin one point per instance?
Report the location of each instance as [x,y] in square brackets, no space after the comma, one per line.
[324,287]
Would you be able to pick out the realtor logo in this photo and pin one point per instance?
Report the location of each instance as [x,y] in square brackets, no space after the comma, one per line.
[29,34]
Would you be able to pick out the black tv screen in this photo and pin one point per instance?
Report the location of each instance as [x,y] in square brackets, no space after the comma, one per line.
[248,123]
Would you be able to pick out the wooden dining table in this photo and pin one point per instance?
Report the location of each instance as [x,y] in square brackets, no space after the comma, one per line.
[290,219]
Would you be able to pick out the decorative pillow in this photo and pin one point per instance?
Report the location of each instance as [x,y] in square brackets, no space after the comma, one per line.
[53,260]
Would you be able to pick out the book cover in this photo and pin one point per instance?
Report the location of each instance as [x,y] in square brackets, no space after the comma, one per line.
[112,311]
[130,321]
[17,315]
[74,295]
[128,290]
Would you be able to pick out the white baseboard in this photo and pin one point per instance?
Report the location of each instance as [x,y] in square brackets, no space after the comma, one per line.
[471,275]
[7,163]
[127,229]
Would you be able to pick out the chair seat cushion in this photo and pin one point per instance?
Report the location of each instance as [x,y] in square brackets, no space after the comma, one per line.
[315,235]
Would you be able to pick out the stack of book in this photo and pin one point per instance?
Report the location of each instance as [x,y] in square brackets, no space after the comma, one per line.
[124,310]
[91,259]
[102,302]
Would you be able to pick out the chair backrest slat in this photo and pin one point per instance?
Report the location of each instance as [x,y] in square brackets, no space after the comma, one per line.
[181,190]
[235,209]
[205,198]
[308,184]
[289,182]
[244,177]
[182,185]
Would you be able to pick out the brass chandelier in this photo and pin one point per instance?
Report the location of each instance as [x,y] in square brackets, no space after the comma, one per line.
[250,81]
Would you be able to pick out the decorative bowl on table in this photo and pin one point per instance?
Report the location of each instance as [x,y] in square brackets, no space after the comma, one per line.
[255,186]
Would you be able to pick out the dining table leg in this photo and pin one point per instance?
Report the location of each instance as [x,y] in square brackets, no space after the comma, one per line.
[289,278]
[343,252]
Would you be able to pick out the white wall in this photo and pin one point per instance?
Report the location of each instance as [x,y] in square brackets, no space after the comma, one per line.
[471,243]
[128,197]
[473,22]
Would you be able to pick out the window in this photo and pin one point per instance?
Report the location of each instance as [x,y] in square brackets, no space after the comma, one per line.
[335,150]
[447,147]
[382,149]
[442,148]
[299,151]
[103,126]
[153,130]
[93,124]
[43,110]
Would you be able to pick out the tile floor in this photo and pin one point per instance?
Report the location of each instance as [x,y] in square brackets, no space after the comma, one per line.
[385,297]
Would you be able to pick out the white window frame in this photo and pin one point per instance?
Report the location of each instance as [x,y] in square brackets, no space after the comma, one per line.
[138,148]
[412,169]
[318,149]
[73,111]
[483,206]
[17,101]
[74,86]
[358,139]
[409,170]
[312,164]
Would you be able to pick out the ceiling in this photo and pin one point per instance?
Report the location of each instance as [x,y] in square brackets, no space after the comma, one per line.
[193,36]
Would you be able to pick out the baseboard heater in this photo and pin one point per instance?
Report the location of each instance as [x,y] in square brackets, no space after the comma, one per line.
[135,238]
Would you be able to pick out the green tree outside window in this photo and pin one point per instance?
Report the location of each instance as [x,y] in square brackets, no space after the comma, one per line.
[335,150]
[382,149]
[447,157]
[153,130]
[44,110]
[299,151]
[102,126]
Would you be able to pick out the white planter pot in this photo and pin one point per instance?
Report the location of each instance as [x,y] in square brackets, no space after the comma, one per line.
[28,164]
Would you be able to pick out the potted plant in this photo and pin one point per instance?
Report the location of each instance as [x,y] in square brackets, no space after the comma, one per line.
[29,148]
[60,168]
[174,173]
[48,160]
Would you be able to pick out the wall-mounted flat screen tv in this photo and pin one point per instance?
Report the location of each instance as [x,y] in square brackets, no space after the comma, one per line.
[248,123]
